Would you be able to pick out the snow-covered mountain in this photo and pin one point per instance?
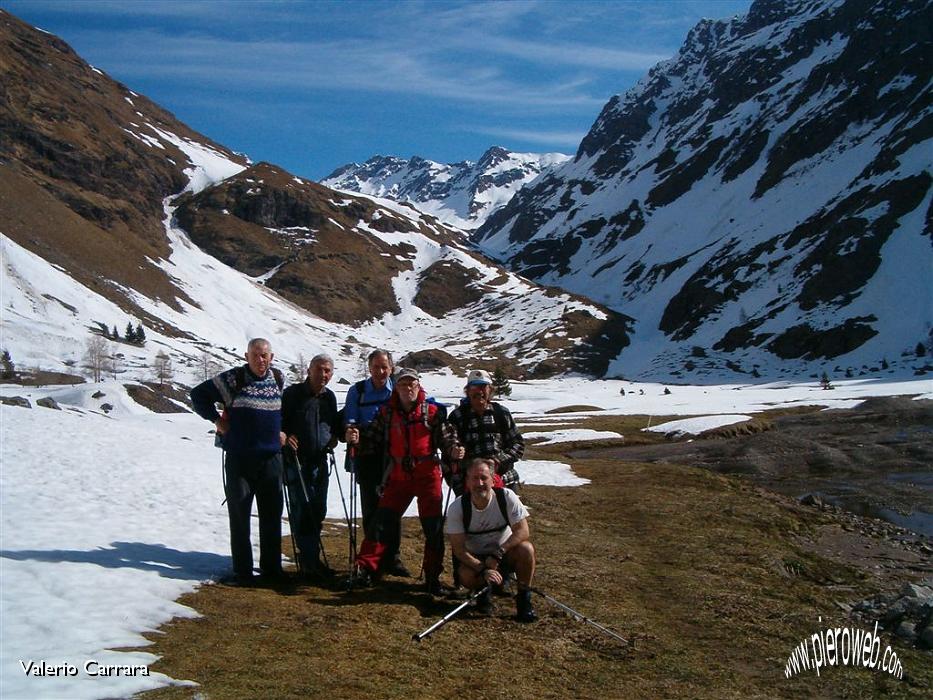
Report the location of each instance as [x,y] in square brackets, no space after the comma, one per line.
[761,199]
[460,194]
[112,211]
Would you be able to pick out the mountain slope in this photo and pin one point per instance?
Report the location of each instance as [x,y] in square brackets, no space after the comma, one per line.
[85,163]
[460,194]
[761,200]
[111,210]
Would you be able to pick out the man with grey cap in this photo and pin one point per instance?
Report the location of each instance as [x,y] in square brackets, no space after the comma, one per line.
[481,427]
[408,432]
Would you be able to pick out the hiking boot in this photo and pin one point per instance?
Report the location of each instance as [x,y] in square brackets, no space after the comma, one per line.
[459,593]
[239,580]
[273,578]
[525,612]
[484,603]
[363,578]
[397,568]
[317,573]
[436,588]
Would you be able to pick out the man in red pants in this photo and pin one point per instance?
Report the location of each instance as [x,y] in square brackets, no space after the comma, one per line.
[407,430]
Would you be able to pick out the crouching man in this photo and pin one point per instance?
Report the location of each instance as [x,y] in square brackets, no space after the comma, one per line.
[488,532]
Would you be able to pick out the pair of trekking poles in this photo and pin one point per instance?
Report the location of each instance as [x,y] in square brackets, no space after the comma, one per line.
[307,510]
[482,591]
[349,514]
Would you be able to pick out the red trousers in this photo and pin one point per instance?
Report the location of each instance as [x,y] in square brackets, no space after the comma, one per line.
[424,483]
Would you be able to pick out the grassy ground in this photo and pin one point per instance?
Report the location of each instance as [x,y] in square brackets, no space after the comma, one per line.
[714,579]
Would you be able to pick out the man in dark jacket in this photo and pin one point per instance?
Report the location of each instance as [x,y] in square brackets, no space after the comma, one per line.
[309,420]
[250,430]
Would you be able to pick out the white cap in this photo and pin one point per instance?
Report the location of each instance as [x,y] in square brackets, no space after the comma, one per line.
[478,376]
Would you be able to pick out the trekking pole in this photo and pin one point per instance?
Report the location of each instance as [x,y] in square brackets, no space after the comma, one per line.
[288,509]
[353,505]
[346,515]
[578,616]
[449,616]
[301,479]
[223,474]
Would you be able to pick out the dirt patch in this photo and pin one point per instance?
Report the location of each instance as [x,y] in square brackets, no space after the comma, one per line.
[447,286]
[874,459]
[573,409]
[158,400]
[43,378]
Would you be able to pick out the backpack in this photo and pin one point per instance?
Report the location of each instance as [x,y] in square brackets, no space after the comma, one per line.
[467,505]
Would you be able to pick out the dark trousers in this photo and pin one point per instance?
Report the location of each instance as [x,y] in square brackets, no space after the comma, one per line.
[260,476]
[308,505]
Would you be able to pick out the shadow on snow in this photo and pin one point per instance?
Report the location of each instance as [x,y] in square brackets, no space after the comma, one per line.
[168,562]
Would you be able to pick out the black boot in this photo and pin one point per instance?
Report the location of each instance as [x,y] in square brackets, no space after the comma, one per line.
[435,588]
[525,612]
[484,603]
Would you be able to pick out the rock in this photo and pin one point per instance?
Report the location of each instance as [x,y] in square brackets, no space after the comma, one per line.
[926,637]
[106,407]
[913,590]
[906,630]
[15,401]
[48,402]
[343,381]
[98,395]
[812,499]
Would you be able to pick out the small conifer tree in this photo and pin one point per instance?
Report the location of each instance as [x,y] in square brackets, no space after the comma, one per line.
[140,334]
[7,368]
[500,383]
[130,333]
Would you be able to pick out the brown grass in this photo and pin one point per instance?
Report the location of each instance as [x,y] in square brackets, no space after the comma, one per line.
[715,579]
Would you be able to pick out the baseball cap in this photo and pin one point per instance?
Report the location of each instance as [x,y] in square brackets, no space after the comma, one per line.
[478,376]
[407,372]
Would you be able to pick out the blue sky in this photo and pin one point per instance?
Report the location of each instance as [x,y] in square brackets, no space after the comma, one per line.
[313,85]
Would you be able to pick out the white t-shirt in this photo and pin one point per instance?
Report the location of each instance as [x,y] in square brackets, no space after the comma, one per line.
[486,518]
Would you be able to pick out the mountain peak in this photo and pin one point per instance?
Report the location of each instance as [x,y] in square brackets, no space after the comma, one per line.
[461,194]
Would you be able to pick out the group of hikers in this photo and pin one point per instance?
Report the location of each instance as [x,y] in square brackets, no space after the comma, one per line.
[400,445]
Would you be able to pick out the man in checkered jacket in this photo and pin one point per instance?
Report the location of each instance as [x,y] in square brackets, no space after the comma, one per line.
[482,428]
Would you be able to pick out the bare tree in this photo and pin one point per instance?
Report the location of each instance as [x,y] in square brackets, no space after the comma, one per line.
[95,356]
[299,369]
[114,362]
[207,366]
[163,368]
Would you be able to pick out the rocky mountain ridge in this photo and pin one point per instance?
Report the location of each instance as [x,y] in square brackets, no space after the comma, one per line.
[461,194]
[761,200]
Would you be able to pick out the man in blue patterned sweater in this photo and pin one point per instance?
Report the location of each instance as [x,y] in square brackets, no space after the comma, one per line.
[250,430]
